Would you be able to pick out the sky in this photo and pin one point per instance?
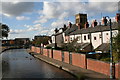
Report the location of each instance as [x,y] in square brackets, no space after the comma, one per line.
[27,19]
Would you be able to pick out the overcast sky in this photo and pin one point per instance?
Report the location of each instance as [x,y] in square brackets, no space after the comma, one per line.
[27,19]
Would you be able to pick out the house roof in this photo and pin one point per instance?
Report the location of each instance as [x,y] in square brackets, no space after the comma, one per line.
[105,47]
[99,28]
[72,29]
[21,38]
[57,33]
[68,30]
[51,45]
[58,44]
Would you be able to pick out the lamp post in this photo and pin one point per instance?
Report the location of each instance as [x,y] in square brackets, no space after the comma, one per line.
[111,55]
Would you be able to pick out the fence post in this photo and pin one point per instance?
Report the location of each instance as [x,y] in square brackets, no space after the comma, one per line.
[85,61]
[42,50]
[113,70]
[47,52]
[70,58]
[62,55]
[51,53]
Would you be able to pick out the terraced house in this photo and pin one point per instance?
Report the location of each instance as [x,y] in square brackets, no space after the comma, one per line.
[89,38]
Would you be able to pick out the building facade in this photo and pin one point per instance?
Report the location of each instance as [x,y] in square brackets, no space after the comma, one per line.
[97,37]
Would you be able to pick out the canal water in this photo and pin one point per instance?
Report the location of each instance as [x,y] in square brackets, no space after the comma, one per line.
[18,63]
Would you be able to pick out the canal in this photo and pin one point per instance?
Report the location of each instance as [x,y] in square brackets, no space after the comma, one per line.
[18,63]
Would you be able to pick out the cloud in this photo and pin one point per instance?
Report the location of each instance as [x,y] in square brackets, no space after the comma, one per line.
[61,10]
[16,9]
[16,31]
[103,0]
[42,19]
[58,23]
[22,18]
[36,27]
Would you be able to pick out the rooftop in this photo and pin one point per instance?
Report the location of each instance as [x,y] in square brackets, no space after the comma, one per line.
[98,28]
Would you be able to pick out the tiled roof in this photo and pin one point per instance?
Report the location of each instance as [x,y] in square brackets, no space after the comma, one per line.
[95,29]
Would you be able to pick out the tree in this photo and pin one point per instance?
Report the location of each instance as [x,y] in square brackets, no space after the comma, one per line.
[116,46]
[4,30]
[42,39]
[71,46]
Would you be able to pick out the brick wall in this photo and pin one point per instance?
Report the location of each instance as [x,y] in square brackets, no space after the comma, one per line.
[33,48]
[117,70]
[98,66]
[57,55]
[37,50]
[45,52]
[66,57]
[50,53]
[79,60]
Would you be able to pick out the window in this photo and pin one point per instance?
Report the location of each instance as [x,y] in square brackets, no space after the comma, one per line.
[88,36]
[84,37]
[95,38]
[100,35]
[71,39]
[106,33]
[65,39]
[78,38]
[53,38]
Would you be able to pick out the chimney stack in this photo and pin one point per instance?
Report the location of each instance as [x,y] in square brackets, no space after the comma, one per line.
[86,25]
[104,21]
[56,30]
[64,27]
[117,17]
[78,25]
[70,24]
[94,23]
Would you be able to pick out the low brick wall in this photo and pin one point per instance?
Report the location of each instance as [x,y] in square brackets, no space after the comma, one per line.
[66,57]
[57,55]
[117,70]
[50,53]
[37,50]
[33,49]
[79,60]
[98,66]
[45,52]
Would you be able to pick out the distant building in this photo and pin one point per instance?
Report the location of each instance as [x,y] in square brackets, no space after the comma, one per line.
[8,42]
[22,41]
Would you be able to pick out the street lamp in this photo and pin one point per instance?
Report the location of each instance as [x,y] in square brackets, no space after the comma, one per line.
[111,55]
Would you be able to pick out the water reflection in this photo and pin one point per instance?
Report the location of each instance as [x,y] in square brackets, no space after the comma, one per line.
[19,64]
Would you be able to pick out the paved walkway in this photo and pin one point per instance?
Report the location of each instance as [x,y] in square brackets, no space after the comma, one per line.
[77,71]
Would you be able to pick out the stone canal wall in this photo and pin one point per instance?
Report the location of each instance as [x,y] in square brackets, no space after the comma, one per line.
[79,60]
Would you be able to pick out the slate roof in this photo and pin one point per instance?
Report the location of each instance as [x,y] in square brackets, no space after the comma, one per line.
[95,29]
[105,47]
[68,30]
[72,29]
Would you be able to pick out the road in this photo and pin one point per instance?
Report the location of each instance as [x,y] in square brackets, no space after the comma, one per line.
[18,63]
